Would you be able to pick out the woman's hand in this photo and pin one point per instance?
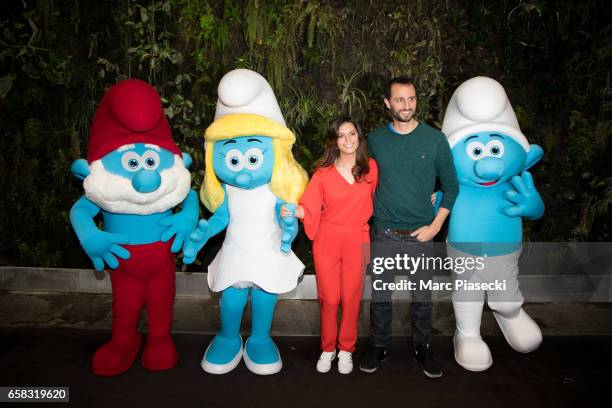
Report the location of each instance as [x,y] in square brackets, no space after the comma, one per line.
[286,212]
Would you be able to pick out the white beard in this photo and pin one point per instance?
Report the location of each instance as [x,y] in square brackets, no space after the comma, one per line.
[115,194]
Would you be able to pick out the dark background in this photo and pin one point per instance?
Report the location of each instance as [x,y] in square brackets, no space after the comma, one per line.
[322,58]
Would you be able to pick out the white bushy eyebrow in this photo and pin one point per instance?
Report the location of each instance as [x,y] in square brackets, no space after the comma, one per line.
[125,147]
[152,146]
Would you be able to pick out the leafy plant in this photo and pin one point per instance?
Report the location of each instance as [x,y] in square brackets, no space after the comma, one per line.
[322,58]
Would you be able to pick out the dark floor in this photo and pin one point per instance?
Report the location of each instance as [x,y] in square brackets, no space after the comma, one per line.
[565,371]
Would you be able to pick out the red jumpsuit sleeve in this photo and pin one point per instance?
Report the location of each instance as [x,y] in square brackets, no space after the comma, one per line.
[312,202]
[373,174]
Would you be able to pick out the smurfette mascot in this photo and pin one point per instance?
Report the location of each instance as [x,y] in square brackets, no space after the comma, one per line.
[250,174]
[492,156]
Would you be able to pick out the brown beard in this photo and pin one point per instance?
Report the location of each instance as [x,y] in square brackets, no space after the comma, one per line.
[396,115]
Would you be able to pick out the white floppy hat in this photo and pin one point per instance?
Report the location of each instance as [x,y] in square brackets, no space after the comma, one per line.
[247,106]
[477,105]
[245,91]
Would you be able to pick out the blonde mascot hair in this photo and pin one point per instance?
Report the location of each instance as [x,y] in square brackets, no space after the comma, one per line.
[289,179]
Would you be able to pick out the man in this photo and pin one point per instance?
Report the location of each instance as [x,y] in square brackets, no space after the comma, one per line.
[410,155]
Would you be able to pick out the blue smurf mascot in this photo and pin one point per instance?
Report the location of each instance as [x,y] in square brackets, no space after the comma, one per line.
[496,192]
[250,173]
[134,177]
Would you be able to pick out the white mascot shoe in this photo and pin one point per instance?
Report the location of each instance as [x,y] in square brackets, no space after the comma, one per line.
[520,331]
[471,352]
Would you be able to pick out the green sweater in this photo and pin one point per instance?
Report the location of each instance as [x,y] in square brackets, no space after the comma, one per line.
[408,165]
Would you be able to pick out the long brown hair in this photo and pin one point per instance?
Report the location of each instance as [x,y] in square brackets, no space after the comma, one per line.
[332,152]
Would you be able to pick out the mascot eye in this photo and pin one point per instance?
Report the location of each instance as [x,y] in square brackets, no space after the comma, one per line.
[496,148]
[131,161]
[254,158]
[151,160]
[475,150]
[234,160]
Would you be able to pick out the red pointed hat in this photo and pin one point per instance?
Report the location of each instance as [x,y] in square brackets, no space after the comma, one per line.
[130,112]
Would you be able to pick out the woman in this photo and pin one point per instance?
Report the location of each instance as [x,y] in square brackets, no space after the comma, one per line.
[335,209]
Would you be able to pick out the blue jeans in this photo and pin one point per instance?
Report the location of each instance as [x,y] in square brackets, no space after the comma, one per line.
[388,244]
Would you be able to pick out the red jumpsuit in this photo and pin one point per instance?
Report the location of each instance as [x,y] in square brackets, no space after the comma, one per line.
[336,216]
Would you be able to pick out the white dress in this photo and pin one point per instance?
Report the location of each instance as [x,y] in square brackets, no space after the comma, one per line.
[251,251]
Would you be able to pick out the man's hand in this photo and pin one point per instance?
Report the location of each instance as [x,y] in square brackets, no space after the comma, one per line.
[426,233]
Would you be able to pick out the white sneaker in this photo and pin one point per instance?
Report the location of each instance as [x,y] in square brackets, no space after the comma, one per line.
[345,362]
[324,363]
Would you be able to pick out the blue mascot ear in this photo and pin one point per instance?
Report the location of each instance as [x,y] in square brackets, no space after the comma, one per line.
[187,159]
[80,169]
[533,156]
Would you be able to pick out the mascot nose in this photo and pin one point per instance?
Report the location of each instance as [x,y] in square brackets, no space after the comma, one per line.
[489,168]
[243,179]
[146,181]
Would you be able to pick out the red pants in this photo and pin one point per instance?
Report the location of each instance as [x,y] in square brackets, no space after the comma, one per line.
[340,254]
[146,278]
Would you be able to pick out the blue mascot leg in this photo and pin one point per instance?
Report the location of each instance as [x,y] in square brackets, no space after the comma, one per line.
[225,351]
[261,354]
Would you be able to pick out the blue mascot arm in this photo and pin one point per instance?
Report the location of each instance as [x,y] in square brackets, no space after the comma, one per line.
[525,199]
[205,230]
[100,246]
[181,223]
[289,225]
[439,196]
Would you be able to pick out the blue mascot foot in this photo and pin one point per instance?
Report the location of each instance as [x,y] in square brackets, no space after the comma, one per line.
[222,355]
[261,356]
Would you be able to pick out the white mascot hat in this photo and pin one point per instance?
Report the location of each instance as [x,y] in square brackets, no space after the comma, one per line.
[480,104]
[245,91]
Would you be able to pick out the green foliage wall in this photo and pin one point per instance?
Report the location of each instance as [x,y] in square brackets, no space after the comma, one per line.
[322,58]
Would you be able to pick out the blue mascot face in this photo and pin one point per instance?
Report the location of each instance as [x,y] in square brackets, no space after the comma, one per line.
[141,163]
[488,159]
[245,162]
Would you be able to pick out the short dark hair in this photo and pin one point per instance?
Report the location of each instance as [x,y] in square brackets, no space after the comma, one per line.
[404,80]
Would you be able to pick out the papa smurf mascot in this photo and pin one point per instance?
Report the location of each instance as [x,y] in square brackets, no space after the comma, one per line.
[496,191]
[250,174]
[134,176]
